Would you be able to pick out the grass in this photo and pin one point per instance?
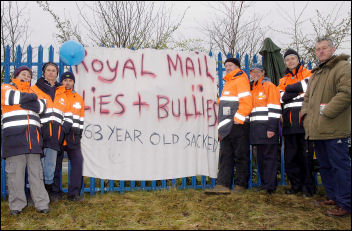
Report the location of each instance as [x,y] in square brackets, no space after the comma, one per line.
[180,209]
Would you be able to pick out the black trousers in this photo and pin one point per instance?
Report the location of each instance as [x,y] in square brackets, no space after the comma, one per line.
[267,157]
[299,162]
[76,159]
[234,152]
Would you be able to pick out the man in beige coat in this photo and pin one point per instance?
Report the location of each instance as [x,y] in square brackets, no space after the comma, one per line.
[326,115]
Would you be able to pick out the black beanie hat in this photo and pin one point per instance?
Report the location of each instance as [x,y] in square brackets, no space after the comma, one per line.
[291,52]
[67,75]
[233,60]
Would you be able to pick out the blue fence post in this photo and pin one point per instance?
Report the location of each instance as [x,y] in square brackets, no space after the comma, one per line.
[220,73]
[18,56]
[29,57]
[246,64]
[3,179]
[40,62]
[7,64]
[92,186]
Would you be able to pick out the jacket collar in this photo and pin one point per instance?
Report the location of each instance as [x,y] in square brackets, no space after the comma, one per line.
[21,85]
[231,75]
[331,62]
[294,71]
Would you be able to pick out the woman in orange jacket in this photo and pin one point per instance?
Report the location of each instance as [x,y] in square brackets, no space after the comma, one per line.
[22,141]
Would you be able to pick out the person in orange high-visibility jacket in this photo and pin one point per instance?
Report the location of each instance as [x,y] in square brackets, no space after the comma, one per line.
[56,121]
[264,126]
[22,141]
[298,152]
[72,143]
[235,105]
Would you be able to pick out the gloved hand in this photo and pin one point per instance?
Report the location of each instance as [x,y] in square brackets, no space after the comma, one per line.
[288,96]
[27,97]
[31,105]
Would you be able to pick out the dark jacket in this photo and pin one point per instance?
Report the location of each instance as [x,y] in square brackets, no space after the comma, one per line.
[329,88]
[72,140]
[56,120]
[20,120]
[266,112]
[292,101]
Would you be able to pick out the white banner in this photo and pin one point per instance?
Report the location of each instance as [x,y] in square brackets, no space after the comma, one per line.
[149,114]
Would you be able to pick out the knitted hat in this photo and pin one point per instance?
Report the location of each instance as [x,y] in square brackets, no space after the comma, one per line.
[233,60]
[257,66]
[67,75]
[291,52]
[22,68]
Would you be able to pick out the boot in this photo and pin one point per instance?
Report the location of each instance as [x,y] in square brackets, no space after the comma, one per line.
[218,189]
[48,188]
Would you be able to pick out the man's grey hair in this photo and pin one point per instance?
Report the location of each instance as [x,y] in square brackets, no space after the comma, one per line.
[325,38]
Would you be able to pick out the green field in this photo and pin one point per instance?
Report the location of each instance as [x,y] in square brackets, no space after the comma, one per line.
[180,209]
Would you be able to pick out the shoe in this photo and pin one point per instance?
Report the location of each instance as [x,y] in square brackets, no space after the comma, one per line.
[324,202]
[261,188]
[55,197]
[45,211]
[74,198]
[307,194]
[270,191]
[291,191]
[218,189]
[15,212]
[337,212]
[239,189]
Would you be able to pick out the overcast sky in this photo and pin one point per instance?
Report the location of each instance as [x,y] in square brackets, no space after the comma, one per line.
[42,26]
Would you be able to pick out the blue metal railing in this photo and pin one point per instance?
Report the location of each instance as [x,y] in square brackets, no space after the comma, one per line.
[205,182]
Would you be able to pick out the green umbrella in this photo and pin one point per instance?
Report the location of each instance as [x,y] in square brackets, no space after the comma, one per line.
[273,62]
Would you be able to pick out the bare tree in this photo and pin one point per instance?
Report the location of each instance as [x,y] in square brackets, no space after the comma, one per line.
[14,30]
[67,31]
[129,24]
[231,32]
[334,24]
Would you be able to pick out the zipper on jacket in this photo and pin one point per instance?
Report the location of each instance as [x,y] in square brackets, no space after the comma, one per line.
[38,136]
[58,135]
[299,117]
[73,135]
[29,135]
[291,118]
[50,128]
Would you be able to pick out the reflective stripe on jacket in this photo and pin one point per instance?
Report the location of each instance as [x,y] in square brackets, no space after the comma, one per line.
[292,101]
[266,112]
[20,126]
[73,139]
[235,103]
[57,119]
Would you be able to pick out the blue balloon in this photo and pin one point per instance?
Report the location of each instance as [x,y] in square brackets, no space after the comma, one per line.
[72,52]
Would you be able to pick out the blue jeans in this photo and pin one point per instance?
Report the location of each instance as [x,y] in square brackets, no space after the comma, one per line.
[335,170]
[49,163]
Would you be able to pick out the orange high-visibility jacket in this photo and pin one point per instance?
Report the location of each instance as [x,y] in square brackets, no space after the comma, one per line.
[266,112]
[235,103]
[291,102]
[73,139]
[20,120]
[57,118]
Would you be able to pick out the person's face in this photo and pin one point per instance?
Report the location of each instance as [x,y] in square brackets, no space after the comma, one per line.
[256,74]
[68,83]
[24,76]
[323,51]
[50,73]
[230,66]
[291,61]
